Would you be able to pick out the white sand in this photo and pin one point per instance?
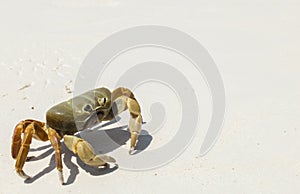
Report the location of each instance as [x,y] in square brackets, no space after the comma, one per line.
[255,45]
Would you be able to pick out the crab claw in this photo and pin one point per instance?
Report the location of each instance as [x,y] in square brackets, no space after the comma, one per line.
[86,152]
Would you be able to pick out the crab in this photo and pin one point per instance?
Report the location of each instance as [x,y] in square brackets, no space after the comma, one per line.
[66,119]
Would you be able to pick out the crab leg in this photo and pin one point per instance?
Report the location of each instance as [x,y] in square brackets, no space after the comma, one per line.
[38,130]
[17,140]
[23,150]
[20,148]
[86,152]
[124,99]
[55,142]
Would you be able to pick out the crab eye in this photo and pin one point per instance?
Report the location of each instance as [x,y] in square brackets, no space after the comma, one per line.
[88,108]
[102,101]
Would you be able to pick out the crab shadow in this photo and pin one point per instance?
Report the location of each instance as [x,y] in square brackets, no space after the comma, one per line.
[103,141]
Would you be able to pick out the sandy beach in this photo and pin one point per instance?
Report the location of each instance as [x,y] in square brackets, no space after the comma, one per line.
[255,46]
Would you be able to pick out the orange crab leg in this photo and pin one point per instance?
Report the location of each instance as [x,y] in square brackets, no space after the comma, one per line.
[55,142]
[38,130]
[17,140]
[24,149]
